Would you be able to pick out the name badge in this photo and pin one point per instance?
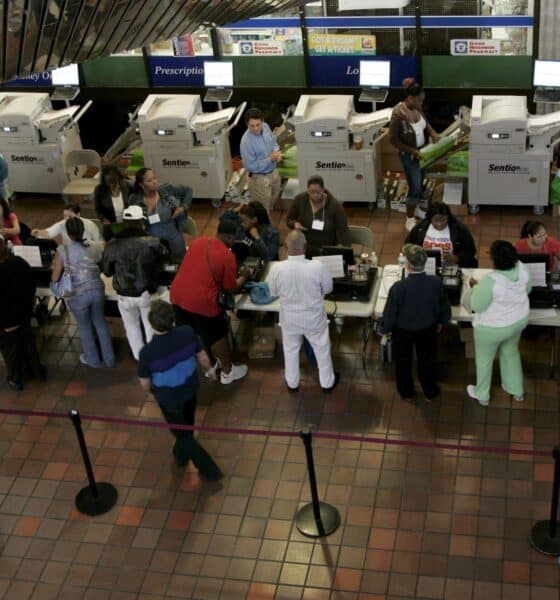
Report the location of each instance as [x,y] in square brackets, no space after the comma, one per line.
[318,225]
[153,219]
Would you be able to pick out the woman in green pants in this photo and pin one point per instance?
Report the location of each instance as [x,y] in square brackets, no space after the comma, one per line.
[501,305]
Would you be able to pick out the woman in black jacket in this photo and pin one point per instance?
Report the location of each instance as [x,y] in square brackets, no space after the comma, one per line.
[111,195]
[441,230]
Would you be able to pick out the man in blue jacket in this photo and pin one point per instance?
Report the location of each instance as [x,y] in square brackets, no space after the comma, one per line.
[416,310]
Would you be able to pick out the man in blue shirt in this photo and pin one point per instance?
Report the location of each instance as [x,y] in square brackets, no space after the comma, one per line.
[168,367]
[261,154]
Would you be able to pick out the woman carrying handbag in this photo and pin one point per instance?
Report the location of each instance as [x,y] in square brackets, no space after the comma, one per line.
[85,294]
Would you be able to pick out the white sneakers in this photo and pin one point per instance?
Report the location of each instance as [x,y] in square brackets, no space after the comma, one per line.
[237,372]
[410,223]
[471,391]
[215,367]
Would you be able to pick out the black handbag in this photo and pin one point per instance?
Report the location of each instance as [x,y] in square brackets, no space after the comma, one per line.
[225,299]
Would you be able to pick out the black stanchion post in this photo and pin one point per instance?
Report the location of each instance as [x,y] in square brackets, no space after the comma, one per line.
[95,498]
[544,533]
[316,519]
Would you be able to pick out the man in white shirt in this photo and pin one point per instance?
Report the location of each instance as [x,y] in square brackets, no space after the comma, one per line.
[301,285]
[58,229]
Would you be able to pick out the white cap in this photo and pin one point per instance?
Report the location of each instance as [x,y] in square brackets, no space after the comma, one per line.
[133,213]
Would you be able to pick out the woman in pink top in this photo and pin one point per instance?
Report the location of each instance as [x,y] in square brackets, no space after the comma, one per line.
[10,224]
[535,240]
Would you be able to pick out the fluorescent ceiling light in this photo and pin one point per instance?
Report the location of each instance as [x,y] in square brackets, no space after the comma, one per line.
[370,4]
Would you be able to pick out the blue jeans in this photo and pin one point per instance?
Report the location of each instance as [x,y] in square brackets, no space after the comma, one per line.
[89,311]
[414,176]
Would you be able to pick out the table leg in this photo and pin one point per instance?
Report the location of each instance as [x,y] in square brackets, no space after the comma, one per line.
[366,332]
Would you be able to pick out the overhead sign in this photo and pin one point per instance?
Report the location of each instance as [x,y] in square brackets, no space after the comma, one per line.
[42,79]
[177,71]
[320,44]
[344,71]
[261,48]
[475,47]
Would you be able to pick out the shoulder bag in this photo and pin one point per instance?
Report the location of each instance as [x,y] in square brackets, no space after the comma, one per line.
[63,287]
[225,299]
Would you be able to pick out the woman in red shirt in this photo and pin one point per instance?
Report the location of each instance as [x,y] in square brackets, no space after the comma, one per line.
[535,240]
[10,224]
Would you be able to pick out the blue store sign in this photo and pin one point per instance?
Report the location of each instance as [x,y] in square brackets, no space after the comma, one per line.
[177,71]
[42,79]
[344,71]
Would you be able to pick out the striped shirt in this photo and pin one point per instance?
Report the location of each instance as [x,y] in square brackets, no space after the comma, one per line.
[169,360]
[301,285]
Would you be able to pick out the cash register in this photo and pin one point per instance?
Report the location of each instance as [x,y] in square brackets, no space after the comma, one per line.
[358,280]
[541,296]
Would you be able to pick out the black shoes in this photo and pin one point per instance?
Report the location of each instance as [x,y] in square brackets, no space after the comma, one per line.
[15,385]
[292,390]
[336,380]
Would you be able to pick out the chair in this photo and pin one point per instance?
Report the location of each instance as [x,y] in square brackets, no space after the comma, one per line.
[361,235]
[79,162]
[190,227]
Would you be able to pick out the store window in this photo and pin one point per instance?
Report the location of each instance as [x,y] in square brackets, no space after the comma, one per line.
[195,44]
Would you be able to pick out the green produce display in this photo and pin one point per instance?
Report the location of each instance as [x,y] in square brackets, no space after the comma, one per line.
[458,163]
[431,152]
[288,166]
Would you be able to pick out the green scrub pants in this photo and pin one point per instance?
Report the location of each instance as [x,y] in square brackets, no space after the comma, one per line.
[487,341]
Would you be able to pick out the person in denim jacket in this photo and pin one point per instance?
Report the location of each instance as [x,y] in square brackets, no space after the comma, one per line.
[253,227]
[165,207]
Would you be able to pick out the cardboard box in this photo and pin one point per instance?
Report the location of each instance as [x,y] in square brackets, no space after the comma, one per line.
[263,343]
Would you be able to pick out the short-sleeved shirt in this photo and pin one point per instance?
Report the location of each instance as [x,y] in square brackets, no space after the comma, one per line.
[9,224]
[169,361]
[91,231]
[551,247]
[195,287]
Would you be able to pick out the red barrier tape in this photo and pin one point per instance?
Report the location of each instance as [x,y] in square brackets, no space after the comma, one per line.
[273,433]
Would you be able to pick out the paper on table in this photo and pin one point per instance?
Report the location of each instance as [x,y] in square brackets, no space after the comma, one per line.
[30,254]
[334,264]
[386,284]
[542,313]
[431,265]
[202,120]
[537,273]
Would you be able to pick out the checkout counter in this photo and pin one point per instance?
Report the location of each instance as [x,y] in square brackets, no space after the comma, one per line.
[510,152]
[35,140]
[339,145]
[185,146]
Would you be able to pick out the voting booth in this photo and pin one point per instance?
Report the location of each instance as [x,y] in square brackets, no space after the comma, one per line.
[510,152]
[35,140]
[184,145]
[339,145]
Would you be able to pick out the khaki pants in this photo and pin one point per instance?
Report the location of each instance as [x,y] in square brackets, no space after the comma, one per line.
[265,188]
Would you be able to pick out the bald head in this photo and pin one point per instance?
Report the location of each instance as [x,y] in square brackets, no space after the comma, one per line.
[295,242]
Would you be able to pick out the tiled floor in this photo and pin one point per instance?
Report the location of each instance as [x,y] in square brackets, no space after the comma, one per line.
[416,522]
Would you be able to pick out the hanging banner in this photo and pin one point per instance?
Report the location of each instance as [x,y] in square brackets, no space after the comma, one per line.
[42,79]
[177,71]
[339,44]
[475,47]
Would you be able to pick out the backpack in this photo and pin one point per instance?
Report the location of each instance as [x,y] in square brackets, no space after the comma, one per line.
[259,292]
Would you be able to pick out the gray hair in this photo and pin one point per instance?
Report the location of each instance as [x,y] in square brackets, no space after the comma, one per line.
[295,242]
[161,316]
[416,257]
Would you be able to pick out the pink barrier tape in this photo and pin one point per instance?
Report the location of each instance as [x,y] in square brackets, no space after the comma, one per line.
[273,433]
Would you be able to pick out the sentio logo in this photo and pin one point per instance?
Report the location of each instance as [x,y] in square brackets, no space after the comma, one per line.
[339,166]
[508,168]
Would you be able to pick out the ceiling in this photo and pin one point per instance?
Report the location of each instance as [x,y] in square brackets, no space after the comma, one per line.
[38,35]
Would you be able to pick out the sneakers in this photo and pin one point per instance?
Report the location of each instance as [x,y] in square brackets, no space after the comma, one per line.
[410,223]
[471,391]
[237,372]
[419,213]
[215,367]
[520,398]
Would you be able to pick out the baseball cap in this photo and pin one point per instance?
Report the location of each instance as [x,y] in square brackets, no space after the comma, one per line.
[133,213]
[415,255]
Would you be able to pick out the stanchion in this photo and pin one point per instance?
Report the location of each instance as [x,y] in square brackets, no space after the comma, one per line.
[316,519]
[544,535]
[95,498]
